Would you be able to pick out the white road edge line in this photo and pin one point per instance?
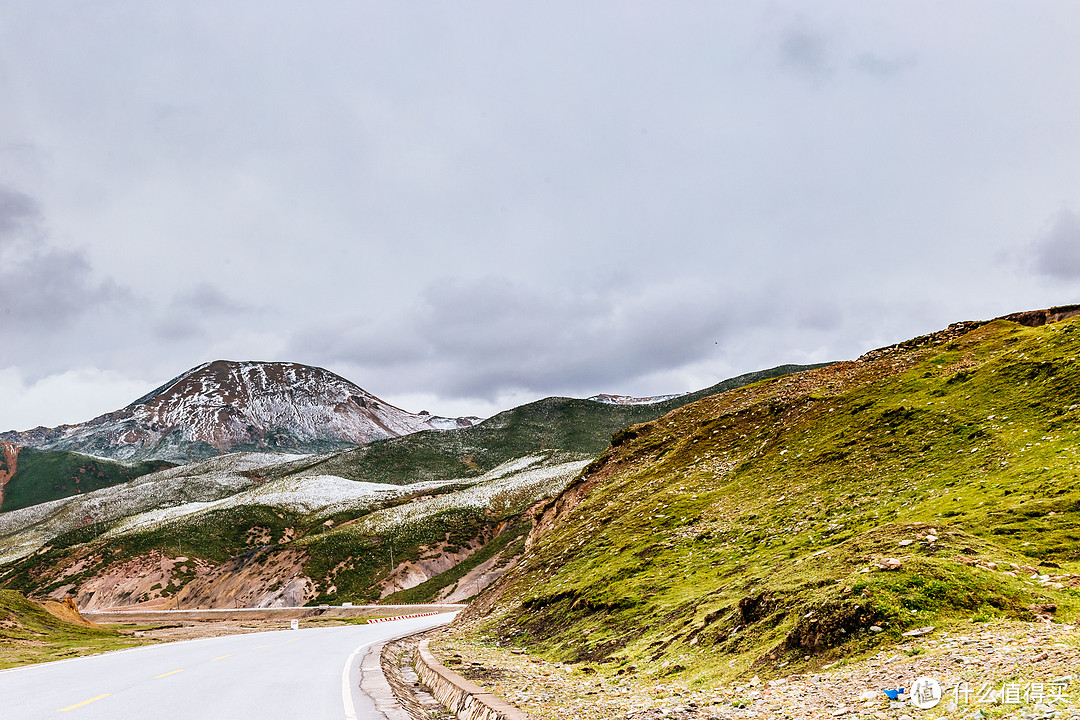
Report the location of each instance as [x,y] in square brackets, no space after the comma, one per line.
[49,663]
[346,683]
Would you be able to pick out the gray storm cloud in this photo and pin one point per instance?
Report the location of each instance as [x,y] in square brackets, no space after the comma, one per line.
[1057,251]
[807,51]
[197,311]
[17,211]
[55,305]
[43,289]
[628,197]
[490,337]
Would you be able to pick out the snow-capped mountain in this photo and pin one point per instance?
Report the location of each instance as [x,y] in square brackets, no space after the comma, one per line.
[224,406]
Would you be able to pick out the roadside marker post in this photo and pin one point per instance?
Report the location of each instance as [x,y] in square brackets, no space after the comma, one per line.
[295,624]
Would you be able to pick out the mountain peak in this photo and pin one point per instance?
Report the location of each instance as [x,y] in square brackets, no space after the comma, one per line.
[225,405]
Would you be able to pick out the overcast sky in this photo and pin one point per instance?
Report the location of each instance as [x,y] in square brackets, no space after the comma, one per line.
[462,206]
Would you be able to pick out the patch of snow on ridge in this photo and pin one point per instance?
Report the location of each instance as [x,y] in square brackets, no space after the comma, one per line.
[25,530]
[627,400]
[302,494]
[442,423]
[307,494]
[312,493]
[155,517]
[231,463]
[510,467]
[506,492]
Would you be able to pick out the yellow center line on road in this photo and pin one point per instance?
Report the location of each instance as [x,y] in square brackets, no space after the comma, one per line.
[259,646]
[84,702]
[295,639]
[158,677]
[222,657]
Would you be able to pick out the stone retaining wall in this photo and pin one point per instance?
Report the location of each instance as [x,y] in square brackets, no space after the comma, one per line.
[463,698]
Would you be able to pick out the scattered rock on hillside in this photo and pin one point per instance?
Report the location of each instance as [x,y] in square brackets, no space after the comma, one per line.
[1005,654]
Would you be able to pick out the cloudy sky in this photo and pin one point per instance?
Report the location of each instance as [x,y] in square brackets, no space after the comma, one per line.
[462,206]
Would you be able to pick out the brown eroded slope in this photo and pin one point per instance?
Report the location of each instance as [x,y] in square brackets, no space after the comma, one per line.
[9,462]
[68,611]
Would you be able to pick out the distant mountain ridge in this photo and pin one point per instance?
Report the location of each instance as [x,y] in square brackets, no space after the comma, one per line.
[226,406]
[554,423]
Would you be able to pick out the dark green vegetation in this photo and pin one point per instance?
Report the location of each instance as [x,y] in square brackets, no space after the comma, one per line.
[582,426]
[29,634]
[743,533]
[510,543]
[216,536]
[348,565]
[44,475]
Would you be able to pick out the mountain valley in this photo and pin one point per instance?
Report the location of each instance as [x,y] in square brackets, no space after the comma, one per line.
[770,526]
[434,514]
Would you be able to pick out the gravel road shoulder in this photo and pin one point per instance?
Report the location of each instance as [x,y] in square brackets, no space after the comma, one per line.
[1000,669]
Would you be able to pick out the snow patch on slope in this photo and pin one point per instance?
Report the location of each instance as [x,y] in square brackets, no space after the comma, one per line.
[502,489]
[182,494]
[28,529]
[627,400]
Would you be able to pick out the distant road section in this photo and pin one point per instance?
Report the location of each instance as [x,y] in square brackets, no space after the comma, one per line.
[310,674]
[323,612]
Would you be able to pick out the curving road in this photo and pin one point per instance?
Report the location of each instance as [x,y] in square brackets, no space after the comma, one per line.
[310,674]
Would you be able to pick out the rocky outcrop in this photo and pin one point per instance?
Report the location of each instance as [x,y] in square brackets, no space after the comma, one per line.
[1028,318]
[1038,318]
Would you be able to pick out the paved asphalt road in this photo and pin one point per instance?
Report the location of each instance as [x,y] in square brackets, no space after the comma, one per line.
[309,674]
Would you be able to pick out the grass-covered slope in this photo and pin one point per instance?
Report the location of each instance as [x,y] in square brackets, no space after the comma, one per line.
[29,634]
[567,424]
[746,532]
[44,475]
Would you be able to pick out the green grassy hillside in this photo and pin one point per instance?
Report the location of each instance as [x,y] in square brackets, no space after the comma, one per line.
[746,532]
[29,634]
[44,475]
[573,425]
